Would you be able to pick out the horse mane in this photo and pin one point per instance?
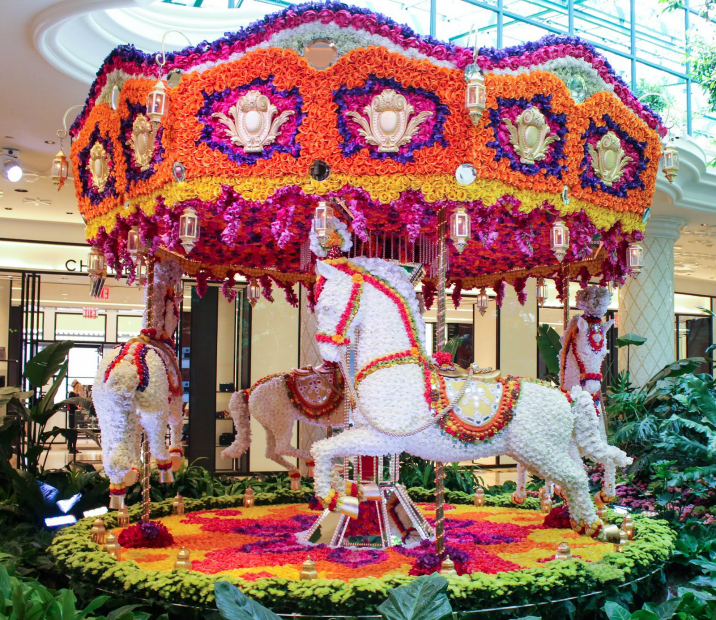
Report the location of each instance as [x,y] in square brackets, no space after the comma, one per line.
[565,338]
[395,276]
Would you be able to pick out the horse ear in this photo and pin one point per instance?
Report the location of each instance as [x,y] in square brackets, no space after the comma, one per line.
[326,270]
[583,325]
[607,326]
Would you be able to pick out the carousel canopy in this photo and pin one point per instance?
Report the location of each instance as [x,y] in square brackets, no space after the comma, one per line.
[331,102]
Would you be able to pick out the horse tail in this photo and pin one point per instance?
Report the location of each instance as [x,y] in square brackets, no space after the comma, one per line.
[239,409]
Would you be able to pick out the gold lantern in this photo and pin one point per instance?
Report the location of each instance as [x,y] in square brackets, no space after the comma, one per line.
[479,497]
[60,169]
[476,93]
[542,292]
[559,239]
[133,242]
[97,264]
[323,219]
[113,547]
[482,302]
[98,532]
[545,501]
[447,568]
[628,526]
[178,505]
[253,292]
[157,103]
[623,542]
[189,229]
[308,570]
[183,560]
[635,258]
[563,551]
[123,517]
[670,161]
[248,500]
[460,228]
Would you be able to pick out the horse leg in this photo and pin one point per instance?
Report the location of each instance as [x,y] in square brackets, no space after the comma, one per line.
[284,435]
[271,452]
[154,424]
[518,497]
[176,453]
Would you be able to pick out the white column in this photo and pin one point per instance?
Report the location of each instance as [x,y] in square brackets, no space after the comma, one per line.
[646,303]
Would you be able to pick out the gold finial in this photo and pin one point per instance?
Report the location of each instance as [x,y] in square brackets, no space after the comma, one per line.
[623,542]
[563,551]
[545,501]
[308,570]
[98,532]
[113,547]
[178,505]
[183,560]
[123,517]
[628,526]
[248,497]
[448,568]
[479,496]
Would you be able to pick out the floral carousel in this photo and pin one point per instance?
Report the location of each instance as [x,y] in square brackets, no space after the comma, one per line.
[329,148]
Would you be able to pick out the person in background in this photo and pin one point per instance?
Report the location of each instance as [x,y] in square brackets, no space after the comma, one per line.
[77,390]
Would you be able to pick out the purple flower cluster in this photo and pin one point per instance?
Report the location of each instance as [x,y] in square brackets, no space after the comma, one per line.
[355,558]
[83,157]
[511,109]
[429,133]
[150,530]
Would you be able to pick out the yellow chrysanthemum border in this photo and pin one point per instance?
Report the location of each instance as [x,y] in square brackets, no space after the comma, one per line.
[381,189]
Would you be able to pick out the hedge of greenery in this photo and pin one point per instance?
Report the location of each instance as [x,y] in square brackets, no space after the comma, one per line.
[86,561]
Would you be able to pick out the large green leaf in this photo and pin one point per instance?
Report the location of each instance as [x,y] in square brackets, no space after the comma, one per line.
[48,400]
[549,346]
[666,610]
[675,369]
[422,599]
[233,604]
[630,339]
[615,611]
[41,368]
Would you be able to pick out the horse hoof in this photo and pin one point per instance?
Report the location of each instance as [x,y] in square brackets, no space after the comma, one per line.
[348,506]
[517,499]
[176,462]
[116,502]
[131,477]
[166,476]
[609,534]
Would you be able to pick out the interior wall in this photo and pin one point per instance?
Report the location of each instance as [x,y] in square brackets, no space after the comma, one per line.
[518,344]
[5,289]
[225,370]
[274,349]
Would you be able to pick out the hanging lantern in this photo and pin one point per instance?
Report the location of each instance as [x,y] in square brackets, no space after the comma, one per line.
[133,243]
[323,219]
[253,292]
[189,229]
[635,258]
[460,228]
[157,103]
[475,95]
[140,272]
[559,239]
[670,161]
[97,264]
[482,302]
[60,170]
[542,292]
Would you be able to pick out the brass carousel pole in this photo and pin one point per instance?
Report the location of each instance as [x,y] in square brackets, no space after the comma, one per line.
[441,339]
[565,297]
[146,456]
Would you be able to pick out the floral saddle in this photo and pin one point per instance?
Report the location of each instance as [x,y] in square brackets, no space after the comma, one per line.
[315,392]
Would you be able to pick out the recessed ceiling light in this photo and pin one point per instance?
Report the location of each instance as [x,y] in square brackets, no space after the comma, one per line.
[21,191]
[49,142]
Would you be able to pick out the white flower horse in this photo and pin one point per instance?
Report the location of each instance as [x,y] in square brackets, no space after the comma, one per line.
[400,403]
[584,347]
[138,388]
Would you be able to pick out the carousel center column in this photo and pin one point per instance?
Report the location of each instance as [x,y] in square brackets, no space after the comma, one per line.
[646,303]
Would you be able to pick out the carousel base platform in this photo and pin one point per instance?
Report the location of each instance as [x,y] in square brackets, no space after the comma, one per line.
[504,557]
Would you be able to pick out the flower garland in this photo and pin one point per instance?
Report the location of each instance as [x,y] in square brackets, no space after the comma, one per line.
[334,400]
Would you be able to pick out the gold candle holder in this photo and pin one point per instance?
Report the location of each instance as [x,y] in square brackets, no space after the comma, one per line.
[123,517]
[113,547]
[308,570]
[178,505]
[564,552]
[183,560]
[248,497]
[628,526]
[623,542]
[479,496]
[448,568]
[546,503]
[98,532]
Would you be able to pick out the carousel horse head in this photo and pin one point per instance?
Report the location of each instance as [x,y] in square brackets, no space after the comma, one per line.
[341,303]
[586,340]
[166,298]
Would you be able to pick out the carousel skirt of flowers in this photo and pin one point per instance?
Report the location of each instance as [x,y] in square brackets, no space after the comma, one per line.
[257,542]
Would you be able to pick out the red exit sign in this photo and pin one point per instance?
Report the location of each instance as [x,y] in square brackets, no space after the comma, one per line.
[105,293]
[89,313]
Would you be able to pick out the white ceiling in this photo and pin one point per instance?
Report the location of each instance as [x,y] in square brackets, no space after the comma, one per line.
[75,35]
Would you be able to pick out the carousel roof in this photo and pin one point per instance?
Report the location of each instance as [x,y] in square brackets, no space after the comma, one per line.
[249,115]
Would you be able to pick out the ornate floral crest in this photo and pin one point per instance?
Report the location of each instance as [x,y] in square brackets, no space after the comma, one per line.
[98,166]
[532,135]
[142,140]
[609,158]
[389,125]
[251,124]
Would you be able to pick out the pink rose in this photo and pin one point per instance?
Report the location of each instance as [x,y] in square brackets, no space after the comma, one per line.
[358,21]
[411,42]
[424,48]
[342,18]
[589,57]
[384,30]
[326,16]
[371,24]
[440,52]
[309,16]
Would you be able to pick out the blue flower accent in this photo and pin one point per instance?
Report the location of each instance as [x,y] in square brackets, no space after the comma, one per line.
[590,179]
[89,190]
[134,174]
[543,102]
[350,146]
[237,154]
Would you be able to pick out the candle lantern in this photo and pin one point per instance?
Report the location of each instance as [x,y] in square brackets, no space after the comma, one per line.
[60,170]
[670,161]
[542,292]
[189,229]
[635,258]
[628,526]
[559,239]
[183,560]
[482,302]
[476,93]
[123,517]
[248,497]
[113,547]
[178,505]
[157,103]
[98,532]
[460,228]
[133,243]
[253,292]
[308,570]
[479,496]
[323,219]
[623,542]
[96,264]
[563,551]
